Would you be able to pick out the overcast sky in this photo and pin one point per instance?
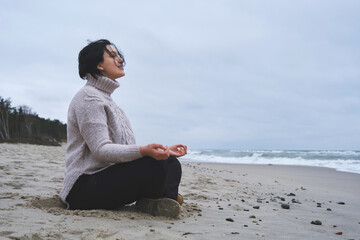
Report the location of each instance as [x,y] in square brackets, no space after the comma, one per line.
[209,74]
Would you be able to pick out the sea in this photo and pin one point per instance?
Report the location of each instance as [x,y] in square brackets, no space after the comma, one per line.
[347,161]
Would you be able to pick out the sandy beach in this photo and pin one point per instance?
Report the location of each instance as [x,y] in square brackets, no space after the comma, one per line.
[222,201]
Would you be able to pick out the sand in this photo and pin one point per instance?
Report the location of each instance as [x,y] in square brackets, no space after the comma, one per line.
[219,202]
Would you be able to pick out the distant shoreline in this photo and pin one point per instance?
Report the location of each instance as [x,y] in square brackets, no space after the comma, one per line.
[46,141]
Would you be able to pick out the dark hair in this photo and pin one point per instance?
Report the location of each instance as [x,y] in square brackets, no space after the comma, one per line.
[93,54]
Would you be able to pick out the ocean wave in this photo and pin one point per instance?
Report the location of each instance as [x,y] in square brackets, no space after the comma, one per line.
[348,161]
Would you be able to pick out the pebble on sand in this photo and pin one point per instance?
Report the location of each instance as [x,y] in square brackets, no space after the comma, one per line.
[285,206]
[341,203]
[229,220]
[316,222]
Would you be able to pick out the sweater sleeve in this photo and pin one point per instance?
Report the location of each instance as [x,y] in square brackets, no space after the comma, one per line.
[92,122]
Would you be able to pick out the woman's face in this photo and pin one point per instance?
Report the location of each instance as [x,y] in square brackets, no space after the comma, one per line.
[112,66]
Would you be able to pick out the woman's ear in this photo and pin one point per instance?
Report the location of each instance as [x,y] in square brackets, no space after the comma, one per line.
[100,67]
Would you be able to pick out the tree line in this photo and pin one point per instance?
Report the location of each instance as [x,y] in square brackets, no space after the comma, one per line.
[21,124]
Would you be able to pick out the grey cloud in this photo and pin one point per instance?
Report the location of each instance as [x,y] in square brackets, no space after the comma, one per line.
[211,74]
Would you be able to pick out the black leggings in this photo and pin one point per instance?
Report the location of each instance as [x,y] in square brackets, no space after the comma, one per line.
[125,183]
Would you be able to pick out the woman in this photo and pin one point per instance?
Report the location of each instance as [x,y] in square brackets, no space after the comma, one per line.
[105,169]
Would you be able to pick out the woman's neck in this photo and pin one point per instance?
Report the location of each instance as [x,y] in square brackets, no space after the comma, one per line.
[102,83]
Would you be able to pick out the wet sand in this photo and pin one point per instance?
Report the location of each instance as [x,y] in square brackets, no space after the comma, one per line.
[222,201]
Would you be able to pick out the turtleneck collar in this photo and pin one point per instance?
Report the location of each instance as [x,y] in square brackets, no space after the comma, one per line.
[103,83]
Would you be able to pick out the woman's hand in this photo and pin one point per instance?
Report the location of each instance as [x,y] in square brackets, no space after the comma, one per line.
[178,150]
[156,151]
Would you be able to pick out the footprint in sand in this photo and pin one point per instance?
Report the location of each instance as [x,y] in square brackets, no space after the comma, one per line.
[15,185]
[8,195]
[5,233]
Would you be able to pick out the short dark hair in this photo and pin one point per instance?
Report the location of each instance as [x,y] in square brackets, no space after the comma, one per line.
[93,54]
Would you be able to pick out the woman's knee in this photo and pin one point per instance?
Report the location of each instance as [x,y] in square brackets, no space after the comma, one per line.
[170,166]
[174,165]
[158,170]
[155,170]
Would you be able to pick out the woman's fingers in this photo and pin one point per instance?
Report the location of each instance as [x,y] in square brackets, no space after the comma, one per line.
[161,152]
[157,146]
[183,148]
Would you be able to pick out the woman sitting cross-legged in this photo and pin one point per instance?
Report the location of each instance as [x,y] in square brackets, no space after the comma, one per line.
[104,167]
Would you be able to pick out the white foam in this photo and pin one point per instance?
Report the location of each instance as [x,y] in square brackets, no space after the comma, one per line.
[330,159]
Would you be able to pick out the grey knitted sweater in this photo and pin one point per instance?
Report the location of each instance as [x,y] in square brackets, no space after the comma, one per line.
[98,132]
